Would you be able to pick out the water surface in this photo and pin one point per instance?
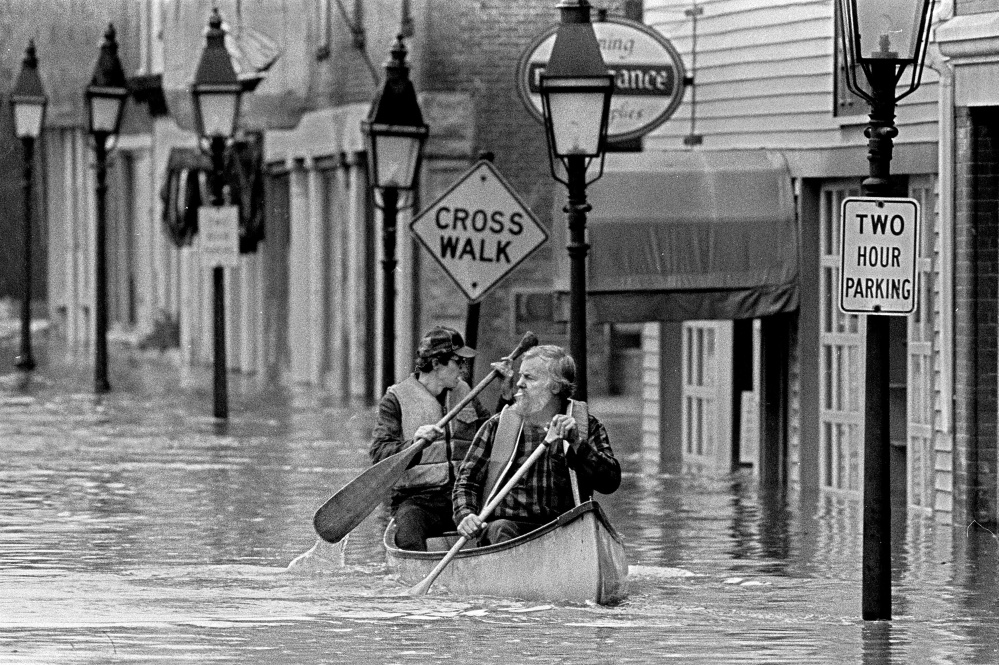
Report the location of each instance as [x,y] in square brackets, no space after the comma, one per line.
[134,528]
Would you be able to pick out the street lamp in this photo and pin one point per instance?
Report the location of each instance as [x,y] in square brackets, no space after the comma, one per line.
[396,133]
[216,92]
[105,97]
[575,95]
[27,100]
[883,38]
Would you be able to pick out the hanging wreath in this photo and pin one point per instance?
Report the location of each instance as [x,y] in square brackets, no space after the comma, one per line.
[186,188]
[183,192]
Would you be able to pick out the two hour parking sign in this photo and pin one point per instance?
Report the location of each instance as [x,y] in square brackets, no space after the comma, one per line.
[479,230]
[878,253]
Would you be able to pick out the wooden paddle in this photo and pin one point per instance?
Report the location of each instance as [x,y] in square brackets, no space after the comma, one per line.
[343,511]
[424,586]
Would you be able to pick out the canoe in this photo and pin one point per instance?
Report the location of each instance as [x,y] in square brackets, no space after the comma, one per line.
[577,558]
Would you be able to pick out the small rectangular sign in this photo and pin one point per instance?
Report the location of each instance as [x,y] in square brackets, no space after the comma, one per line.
[878,252]
[218,235]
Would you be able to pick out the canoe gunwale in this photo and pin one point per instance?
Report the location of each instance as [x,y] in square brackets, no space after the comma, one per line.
[561,521]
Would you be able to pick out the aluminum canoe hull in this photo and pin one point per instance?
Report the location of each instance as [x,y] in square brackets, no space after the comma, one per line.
[577,558]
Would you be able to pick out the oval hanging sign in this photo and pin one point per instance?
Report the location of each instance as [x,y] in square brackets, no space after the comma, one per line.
[648,75]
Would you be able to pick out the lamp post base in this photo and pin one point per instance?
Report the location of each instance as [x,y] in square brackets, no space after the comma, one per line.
[26,363]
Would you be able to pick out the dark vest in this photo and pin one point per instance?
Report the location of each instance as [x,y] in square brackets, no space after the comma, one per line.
[419,407]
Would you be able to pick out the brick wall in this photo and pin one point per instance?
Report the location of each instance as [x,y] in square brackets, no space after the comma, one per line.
[976,302]
[473,48]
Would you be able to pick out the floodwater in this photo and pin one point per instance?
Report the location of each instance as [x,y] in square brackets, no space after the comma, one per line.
[135,529]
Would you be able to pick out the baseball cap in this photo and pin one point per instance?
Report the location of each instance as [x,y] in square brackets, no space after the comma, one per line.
[443,340]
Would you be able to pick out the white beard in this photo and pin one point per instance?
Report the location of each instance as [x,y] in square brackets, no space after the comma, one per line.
[528,406]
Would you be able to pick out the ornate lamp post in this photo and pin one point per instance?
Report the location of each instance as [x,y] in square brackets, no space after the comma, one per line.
[216,92]
[106,97]
[886,39]
[396,134]
[575,94]
[27,100]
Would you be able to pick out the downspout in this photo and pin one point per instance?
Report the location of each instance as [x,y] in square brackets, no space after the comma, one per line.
[945,156]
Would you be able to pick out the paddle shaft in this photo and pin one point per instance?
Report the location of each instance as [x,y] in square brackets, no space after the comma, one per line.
[343,511]
[424,586]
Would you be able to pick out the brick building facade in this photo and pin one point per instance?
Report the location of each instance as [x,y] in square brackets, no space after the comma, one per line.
[969,41]
[976,284]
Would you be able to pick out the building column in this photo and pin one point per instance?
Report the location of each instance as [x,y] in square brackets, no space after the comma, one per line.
[359,347]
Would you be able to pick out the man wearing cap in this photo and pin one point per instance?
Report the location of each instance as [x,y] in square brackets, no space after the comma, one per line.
[421,499]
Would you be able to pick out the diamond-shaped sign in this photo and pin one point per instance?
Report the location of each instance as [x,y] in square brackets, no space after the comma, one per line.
[479,230]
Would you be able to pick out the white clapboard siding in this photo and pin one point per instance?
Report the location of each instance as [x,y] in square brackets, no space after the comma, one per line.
[764,77]
[727,78]
[652,430]
[747,88]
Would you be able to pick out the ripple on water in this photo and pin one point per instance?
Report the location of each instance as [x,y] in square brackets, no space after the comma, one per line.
[133,529]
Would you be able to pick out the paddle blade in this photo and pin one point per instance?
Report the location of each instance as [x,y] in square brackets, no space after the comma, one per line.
[343,511]
[421,588]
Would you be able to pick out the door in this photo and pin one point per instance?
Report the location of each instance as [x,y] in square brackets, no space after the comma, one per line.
[841,358]
[920,455]
[706,411]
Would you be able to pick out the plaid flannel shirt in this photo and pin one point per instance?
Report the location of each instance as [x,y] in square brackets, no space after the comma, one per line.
[545,491]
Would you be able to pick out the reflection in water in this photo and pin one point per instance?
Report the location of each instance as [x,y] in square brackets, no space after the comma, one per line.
[877,642]
[132,527]
[761,524]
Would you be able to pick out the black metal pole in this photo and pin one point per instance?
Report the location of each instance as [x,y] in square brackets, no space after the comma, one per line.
[390,210]
[101,384]
[472,313]
[24,359]
[576,215]
[220,383]
[876,585]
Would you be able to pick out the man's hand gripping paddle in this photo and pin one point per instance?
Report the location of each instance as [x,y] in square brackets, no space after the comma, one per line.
[423,587]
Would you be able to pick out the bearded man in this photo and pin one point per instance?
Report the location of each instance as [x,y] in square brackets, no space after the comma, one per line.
[577,462]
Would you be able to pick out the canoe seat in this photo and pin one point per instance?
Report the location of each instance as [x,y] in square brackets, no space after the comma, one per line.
[445,541]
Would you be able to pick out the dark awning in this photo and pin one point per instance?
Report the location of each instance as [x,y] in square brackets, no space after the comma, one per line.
[692,235]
